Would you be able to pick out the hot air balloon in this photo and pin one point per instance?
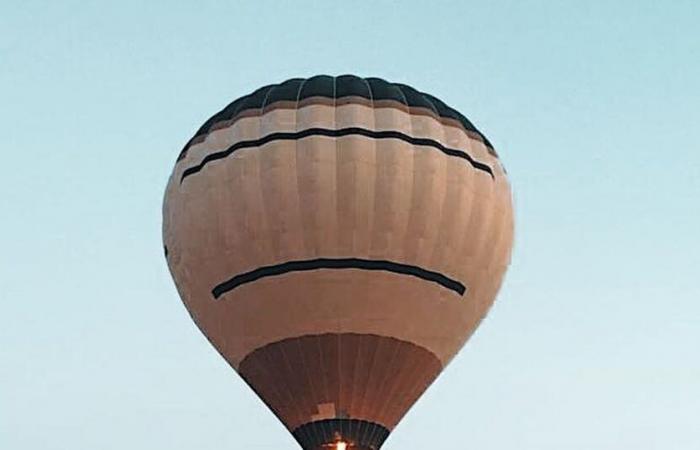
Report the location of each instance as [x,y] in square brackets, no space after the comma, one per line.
[338,239]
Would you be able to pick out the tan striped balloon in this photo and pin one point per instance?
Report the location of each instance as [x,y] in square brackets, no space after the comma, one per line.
[338,239]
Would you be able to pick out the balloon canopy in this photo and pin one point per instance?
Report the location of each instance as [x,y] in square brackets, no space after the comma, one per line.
[338,239]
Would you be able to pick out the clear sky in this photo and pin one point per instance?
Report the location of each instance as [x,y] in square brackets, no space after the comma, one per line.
[594,341]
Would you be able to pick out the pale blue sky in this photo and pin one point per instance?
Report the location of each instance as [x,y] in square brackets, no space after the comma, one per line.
[594,341]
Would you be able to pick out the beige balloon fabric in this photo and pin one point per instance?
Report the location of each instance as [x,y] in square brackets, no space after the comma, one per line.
[338,239]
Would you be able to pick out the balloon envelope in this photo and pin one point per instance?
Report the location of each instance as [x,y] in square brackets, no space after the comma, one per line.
[338,239]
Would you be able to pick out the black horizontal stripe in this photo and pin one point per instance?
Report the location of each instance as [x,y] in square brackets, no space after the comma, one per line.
[337,263]
[371,88]
[352,131]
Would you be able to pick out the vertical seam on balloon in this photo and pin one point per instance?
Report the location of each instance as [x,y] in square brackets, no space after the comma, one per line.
[361,393]
[305,368]
[296,406]
[296,171]
[505,231]
[370,211]
[334,210]
[443,141]
[503,249]
[273,375]
[434,110]
[375,184]
[267,95]
[404,234]
[322,374]
[384,380]
[482,244]
[257,158]
[296,174]
[264,367]
[496,225]
[468,191]
[363,410]
[339,367]
[292,412]
[338,370]
[338,322]
[396,382]
[353,375]
[370,343]
[424,381]
[443,205]
[314,392]
[412,367]
[338,178]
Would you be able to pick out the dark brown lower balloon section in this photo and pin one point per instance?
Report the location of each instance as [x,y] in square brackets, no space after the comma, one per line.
[339,379]
[357,434]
